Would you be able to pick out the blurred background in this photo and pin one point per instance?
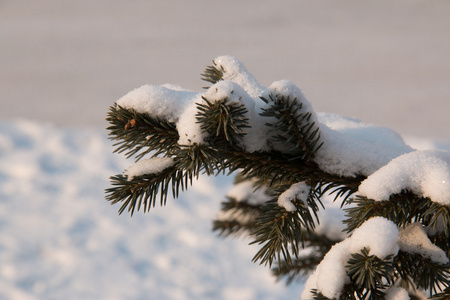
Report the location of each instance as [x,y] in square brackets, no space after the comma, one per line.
[384,62]
[63,63]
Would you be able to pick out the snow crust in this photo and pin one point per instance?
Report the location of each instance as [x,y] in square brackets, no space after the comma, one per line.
[425,173]
[286,88]
[235,71]
[298,191]
[413,239]
[188,128]
[148,166]
[352,147]
[165,102]
[377,234]
[332,271]
[175,104]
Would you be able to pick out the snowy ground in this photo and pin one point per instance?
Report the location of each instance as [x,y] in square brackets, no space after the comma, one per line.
[62,63]
[60,240]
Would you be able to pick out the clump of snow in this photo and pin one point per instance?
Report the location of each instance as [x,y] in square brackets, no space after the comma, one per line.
[298,191]
[256,138]
[382,238]
[352,148]
[377,234]
[413,239]
[396,293]
[311,283]
[381,136]
[175,104]
[426,173]
[148,166]
[235,71]
[226,89]
[166,102]
[330,275]
[188,128]
[286,88]
[419,143]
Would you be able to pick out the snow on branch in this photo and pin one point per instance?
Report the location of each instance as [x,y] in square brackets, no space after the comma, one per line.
[425,173]
[289,160]
[378,235]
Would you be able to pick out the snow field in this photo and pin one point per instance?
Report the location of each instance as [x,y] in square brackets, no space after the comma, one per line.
[61,240]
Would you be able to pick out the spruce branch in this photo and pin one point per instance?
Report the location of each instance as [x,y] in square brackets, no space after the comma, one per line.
[298,268]
[143,190]
[444,295]
[441,240]
[351,292]
[213,73]
[422,272]
[437,215]
[198,158]
[240,217]
[271,169]
[318,295]
[232,205]
[293,126]
[139,132]
[302,266]
[370,272]
[341,187]
[222,120]
[282,232]
[277,230]
[274,169]
[295,139]
[232,227]
[402,209]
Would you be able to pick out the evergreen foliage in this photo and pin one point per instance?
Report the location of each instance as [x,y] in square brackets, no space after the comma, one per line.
[288,240]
